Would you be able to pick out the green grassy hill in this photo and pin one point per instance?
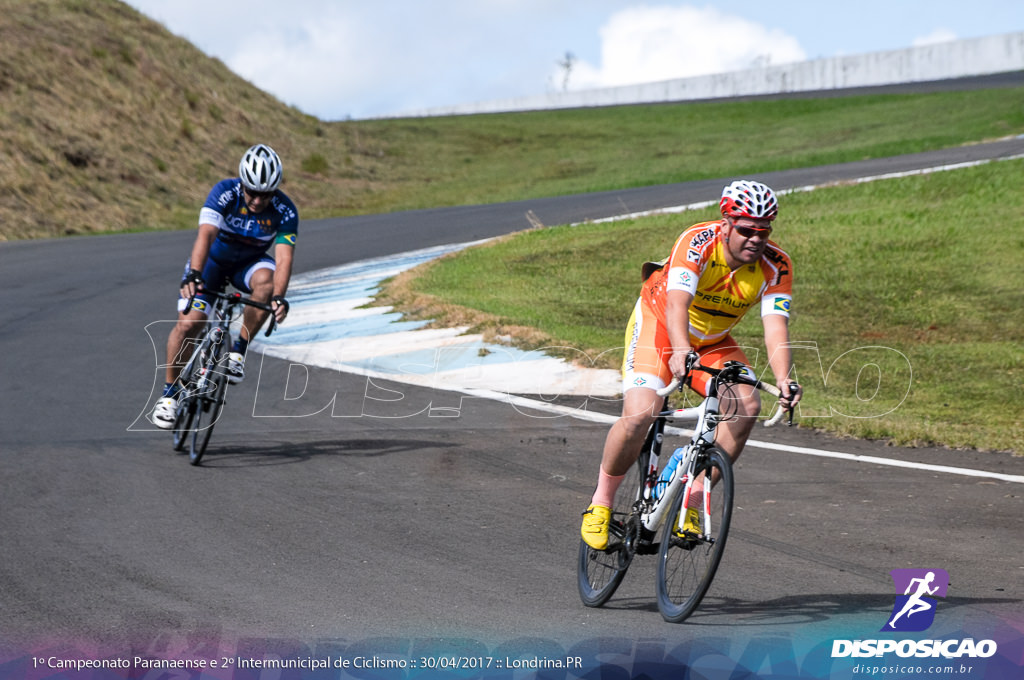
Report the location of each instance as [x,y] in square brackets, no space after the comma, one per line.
[112,123]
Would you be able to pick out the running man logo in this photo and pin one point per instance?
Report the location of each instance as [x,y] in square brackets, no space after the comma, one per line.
[915,609]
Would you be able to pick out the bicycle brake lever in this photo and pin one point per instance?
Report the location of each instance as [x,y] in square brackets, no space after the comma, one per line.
[794,387]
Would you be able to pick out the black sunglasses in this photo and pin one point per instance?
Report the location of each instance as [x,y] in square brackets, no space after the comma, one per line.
[265,195]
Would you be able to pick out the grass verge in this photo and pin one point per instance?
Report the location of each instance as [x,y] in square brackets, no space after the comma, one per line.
[909,300]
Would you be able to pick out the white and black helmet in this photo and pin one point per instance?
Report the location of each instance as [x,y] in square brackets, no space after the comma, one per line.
[260,169]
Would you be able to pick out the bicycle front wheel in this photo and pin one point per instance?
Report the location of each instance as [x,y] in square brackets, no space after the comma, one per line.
[186,409]
[183,422]
[599,572]
[209,405]
[687,562]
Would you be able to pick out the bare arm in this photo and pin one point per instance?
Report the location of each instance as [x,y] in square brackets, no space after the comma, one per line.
[677,317]
[200,251]
[780,357]
[283,256]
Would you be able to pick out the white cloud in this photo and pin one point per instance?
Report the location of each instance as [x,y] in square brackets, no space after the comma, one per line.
[326,68]
[939,35]
[647,44]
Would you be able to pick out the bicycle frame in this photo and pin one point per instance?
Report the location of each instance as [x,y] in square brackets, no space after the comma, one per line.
[708,416]
[220,318]
[683,476]
[210,339]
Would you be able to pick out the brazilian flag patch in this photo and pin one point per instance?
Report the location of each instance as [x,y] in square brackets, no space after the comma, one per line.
[782,305]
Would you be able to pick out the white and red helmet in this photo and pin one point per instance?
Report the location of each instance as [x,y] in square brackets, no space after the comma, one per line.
[260,169]
[745,198]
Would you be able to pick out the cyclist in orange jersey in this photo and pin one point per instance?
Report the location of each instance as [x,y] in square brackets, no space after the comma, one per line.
[688,305]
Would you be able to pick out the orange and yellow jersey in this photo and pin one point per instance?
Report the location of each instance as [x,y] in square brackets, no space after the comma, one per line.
[721,296]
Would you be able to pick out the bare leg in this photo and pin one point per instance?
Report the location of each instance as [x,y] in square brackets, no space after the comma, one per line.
[186,329]
[624,440]
[262,285]
[743,402]
[640,406]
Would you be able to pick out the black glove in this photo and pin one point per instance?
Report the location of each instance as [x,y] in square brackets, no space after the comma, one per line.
[279,299]
[193,276]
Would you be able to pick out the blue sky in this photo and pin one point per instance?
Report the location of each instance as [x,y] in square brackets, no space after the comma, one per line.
[337,59]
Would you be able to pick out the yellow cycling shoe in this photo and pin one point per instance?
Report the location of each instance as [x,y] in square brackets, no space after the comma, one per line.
[692,524]
[595,526]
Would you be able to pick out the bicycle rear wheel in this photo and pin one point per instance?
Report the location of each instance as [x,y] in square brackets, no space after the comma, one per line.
[208,406]
[599,572]
[686,564]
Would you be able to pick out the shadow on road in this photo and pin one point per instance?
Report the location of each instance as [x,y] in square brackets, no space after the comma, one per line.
[282,453]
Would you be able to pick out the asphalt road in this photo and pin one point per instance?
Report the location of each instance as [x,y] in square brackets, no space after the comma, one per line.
[349,518]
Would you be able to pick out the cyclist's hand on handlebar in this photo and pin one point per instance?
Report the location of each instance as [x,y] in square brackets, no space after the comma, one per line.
[680,363]
[791,393]
[191,284]
[280,306]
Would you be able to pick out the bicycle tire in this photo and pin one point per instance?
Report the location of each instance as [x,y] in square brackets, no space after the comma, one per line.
[183,422]
[687,566]
[209,403]
[599,572]
[186,411]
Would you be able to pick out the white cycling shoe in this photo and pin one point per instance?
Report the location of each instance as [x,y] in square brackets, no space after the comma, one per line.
[165,412]
[235,368]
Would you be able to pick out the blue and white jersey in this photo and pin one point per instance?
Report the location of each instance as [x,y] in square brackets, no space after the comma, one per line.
[243,235]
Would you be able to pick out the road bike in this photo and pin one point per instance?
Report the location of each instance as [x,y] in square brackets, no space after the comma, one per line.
[687,560]
[203,380]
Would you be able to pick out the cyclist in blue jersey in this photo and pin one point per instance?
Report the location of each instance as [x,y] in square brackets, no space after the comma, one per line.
[241,219]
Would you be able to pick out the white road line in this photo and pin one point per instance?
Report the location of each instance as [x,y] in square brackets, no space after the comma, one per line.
[367,273]
[874,460]
[1018,479]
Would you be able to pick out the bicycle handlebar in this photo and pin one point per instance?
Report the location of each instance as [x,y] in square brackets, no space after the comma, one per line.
[238,298]
[740,378]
